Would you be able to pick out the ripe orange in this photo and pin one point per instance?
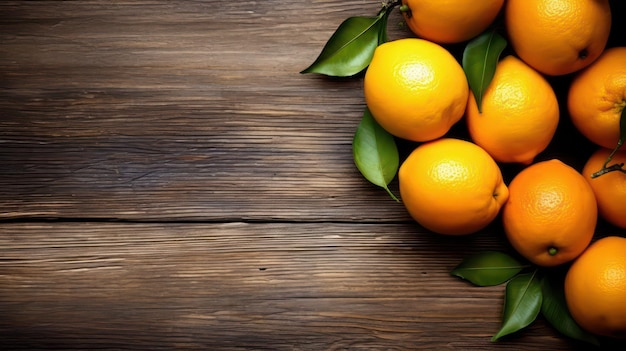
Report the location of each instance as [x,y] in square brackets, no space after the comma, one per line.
[415,89]
[558,37]
[450,21]
[597,97]
[595,288]
[551,213]
[520,113]
[609,188]
[451,186]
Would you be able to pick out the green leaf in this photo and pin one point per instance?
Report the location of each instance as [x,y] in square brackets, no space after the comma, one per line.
[522,303]
[554,309]
[479,62]
[375,153]
[488,268]
[351,48]
[382,30]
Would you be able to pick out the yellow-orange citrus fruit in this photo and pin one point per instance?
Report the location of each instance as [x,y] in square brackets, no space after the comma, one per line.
[595,288]
[450,21]
[597,97]
[451,186]
[520,113]
[415,89]
[609,188]
[558,37]
[551,213]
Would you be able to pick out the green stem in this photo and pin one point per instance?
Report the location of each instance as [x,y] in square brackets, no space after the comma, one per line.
[615,167]
[620,142]
[389,5]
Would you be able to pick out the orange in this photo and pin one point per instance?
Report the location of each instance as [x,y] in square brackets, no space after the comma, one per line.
[415,89]
[450,21]
[609,188]
[520,113]
[558,37]
[597,97]
[451,186]
[595,288]
[551,213]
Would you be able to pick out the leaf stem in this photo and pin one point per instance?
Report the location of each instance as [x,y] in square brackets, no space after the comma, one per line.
[393,196]
[619,144]
[618,166]
[615,167]
[389,5]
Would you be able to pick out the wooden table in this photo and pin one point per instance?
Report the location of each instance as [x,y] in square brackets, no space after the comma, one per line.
[168,180]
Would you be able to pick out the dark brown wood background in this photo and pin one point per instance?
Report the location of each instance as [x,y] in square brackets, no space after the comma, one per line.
[168,180]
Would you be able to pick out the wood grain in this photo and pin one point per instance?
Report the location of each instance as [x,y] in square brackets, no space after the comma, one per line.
[170,109]
[168,180]
[182,109]
[236,286]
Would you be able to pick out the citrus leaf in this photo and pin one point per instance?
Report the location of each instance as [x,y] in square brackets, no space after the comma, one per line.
[351,47]
[488,268]
[375,152]
[382,31]
[522,303]
[555,311]
[479,62]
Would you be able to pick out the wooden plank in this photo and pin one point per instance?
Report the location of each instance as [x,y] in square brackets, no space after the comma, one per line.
[177,109]
[186,110]
[237,286]
[162,113]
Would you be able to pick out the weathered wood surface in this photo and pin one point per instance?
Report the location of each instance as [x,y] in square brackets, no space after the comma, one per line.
[169,181]
[274,286]
[178,109]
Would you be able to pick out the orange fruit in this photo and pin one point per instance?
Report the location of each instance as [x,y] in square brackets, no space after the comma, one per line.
[609,188]
[551,213]
[520,113]
[450,21]
[597,97]
[415,89]
[595,288]
[558,37]
[451,186]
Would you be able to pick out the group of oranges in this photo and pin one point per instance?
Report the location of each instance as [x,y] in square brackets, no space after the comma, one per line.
[417,90]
